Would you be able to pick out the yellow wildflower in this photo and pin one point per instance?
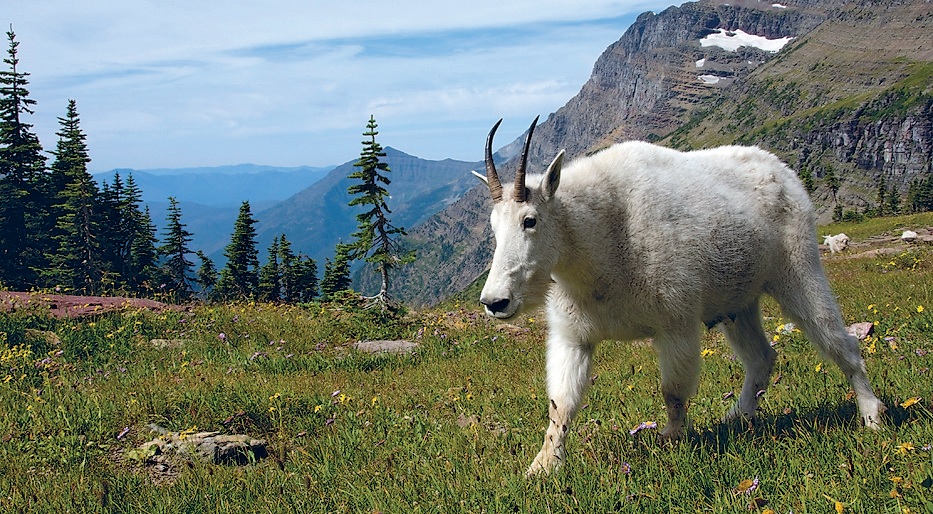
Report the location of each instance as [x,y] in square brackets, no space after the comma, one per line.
[904,449]
[911,401]
[839,507]
[920,308]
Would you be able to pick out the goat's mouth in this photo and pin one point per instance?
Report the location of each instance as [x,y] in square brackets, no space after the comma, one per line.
[501,308]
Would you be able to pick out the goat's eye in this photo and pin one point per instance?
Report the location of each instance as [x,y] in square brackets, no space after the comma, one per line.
[529,223]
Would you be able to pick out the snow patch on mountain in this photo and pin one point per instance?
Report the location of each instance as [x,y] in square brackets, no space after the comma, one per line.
[732,40]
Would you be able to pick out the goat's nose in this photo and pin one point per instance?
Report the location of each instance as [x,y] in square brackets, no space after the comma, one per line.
[495,306]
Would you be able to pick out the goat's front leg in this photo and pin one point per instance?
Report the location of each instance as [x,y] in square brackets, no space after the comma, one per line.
[568,365]
[679,359]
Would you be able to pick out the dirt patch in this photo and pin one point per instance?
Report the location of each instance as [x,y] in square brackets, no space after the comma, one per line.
[67,306]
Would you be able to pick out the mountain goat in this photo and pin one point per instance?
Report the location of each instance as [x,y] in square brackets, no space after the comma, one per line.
[836,243]
[642,241]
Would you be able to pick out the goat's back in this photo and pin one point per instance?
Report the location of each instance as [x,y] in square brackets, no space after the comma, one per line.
[707,229]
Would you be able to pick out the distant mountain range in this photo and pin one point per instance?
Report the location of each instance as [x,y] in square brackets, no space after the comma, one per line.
[210,197]
[224,186]
[308,205]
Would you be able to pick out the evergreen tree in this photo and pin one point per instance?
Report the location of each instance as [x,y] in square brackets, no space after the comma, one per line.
[832,181]
[131,227]
[882,200]
[894,202]
[376,238]
[206,275]
[239,277]
[337,273]
[306,283]
[270,276]
[806,177]
[920,195]
[144,256]
[288,271]
[111,207]
[176,267]
[23,243]
[75,262]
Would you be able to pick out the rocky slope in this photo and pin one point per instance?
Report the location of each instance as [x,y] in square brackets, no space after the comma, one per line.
[649,85]
[853,95]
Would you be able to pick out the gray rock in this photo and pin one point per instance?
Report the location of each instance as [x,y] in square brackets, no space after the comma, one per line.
[207,447]
[399,346]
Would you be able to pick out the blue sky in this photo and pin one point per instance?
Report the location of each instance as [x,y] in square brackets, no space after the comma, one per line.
[175,83]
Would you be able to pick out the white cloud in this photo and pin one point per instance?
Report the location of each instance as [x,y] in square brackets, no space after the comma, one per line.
[289,82]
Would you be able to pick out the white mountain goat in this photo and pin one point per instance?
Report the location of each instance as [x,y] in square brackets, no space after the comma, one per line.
[836,243]
[642,241]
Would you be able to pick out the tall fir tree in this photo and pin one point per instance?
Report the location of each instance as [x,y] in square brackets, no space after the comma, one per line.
[113,239]
[882,200]
[23,181]
[206,275]
[832,181]
[239,278]
[270,276]
[131,226]
[288,271]
[337,273]
[177,267]
[894,202]
[144,256]
[376,240]
[306,283]
[75,262]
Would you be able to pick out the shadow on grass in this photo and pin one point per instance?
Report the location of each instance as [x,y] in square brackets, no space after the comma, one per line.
[792,424]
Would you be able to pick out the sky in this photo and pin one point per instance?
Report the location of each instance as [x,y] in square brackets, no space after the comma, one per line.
[176,83]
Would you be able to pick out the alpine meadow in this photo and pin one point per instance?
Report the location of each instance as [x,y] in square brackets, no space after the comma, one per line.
[322,358]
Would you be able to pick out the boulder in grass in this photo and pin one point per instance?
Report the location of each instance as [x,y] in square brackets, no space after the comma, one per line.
[374,347]
[861,330]
[207,447]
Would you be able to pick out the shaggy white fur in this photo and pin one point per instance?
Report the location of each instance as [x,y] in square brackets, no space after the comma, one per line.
[643,241]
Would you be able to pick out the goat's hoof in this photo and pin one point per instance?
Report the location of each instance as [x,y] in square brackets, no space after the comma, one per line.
[543,464]
[670,435]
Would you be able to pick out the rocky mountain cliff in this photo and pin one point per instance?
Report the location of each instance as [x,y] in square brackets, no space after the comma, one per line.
[853,95]
[851,89]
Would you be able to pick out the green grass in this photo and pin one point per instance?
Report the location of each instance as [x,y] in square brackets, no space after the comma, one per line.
[892,225]
[358,433]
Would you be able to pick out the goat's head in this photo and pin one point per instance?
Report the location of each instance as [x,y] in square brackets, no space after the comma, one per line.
[527,235]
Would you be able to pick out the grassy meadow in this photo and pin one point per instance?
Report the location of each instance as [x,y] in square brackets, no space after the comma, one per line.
[452,427]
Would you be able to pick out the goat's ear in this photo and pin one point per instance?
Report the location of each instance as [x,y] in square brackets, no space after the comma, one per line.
[552,178]
[481,177]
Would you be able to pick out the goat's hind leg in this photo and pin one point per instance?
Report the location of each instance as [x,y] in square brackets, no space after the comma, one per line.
[747,338]
[808,301]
